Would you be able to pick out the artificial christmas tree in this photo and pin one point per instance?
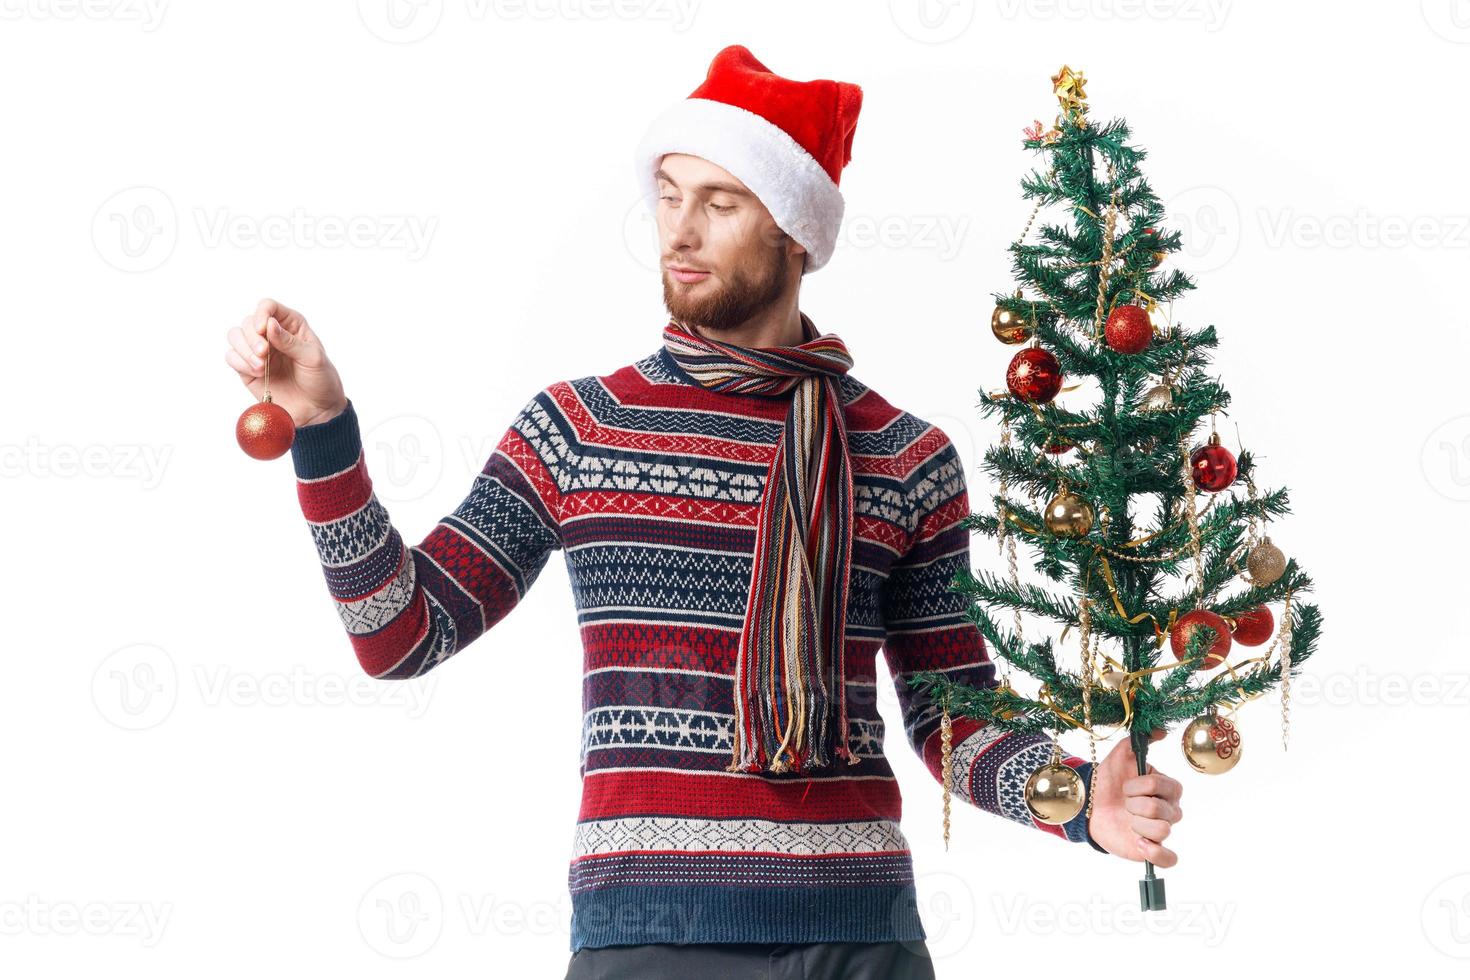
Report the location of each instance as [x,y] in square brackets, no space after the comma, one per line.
[1105,488]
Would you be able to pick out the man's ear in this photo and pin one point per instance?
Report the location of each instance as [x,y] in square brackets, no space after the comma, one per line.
[793,247]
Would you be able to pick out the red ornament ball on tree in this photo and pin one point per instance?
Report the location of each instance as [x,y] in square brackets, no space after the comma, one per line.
[1212,465]
[265,430]
[1255,626]
[1034,375]
[1128,329]
[1184,628]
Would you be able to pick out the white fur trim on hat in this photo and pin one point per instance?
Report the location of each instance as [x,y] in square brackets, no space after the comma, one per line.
[802,199]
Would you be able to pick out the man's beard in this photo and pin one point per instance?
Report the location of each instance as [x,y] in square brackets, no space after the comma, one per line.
[733,305]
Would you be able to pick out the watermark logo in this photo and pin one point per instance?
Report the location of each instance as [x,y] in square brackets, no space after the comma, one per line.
[1445,916]
[1208,219]
[400,21]
[136,229]
[1450,19]
[1364,686]
[1364,229]
[410,234]
[407,21]
[1210,13]
[947,908]
[127,461]
[942,235]
[298,687]
[1207,921]
[147,14]
[932,21]
[1445,459]
[401,916]
[33,916]
[136,687]
[406,457]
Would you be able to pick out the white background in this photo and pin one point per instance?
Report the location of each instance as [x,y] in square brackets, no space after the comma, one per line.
[201,781]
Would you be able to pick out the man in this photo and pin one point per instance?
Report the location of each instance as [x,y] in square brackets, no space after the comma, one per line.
[744,525]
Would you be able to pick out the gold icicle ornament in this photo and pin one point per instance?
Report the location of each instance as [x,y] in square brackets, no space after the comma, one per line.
[946,764]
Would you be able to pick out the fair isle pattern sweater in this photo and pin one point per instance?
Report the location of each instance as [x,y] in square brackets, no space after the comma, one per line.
[649,484]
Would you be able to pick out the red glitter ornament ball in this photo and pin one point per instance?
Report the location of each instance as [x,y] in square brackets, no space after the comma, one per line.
[1034,375]
[1212,465]
[265,430]
[1255,626]
[1184,628]
[1128,329]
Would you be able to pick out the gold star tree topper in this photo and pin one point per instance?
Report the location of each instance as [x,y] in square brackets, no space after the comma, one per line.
[1068,85]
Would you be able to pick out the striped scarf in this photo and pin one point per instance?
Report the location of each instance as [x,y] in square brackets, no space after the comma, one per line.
[790,670]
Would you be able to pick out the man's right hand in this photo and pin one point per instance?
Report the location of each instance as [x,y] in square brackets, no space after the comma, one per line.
[303,380]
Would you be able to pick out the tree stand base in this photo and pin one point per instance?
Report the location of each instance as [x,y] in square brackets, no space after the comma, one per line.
[1151,894]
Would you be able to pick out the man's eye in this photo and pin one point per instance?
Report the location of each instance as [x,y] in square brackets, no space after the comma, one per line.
[723,208]
[667,197]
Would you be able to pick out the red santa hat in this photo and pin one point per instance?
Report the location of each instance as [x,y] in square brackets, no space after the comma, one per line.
[786,140]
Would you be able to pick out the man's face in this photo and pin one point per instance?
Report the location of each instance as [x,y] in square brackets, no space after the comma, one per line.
[710,222]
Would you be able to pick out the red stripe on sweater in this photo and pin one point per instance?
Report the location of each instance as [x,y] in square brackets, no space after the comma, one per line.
[332,498]
[607,795]
[589,429]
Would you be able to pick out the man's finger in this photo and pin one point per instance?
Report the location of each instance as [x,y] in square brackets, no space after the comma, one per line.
[283,340]
[268,307]
[246,372]
[1151,784]
[1170,788]
[1160,855]
[1151,829]
[1152,806]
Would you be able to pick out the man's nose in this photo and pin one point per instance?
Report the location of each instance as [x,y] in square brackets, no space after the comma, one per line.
[680,229]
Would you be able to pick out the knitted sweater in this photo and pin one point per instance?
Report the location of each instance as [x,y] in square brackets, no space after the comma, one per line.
[649,485]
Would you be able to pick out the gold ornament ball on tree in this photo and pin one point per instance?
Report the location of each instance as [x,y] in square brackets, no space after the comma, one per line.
[1055,793]
[1211,744]
[1159,398]
[1068,515]
[1008,327]
[1265,563]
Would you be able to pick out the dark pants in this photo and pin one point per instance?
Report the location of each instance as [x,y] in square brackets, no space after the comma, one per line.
[754,961]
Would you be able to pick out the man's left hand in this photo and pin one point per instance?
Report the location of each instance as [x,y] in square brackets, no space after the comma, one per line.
[1133,814]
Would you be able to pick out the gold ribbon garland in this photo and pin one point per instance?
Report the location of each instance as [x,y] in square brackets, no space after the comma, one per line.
[1131,679]
[1100,553]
